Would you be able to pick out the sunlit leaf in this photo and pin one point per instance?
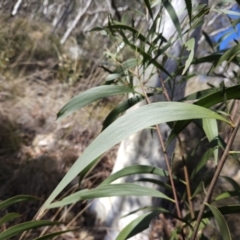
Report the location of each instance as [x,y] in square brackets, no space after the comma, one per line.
[227,194]
[190,45]
[90,96]
[226,11]
[207,100]
[135,169]
[137,225]
[110,190]
[210,128]
[125,126]
[113,76]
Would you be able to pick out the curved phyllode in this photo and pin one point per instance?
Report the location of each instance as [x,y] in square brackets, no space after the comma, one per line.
[143,147]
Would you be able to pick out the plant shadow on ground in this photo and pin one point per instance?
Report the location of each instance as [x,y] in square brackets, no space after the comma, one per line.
[35,150]
[34,160]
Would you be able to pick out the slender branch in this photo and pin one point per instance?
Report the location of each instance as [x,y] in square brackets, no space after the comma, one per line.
[186,175]
[165,92]
[166,160]
[215,177]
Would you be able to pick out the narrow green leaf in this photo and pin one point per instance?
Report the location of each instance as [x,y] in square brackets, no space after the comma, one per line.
[213,57]
[147,3]
[207,101]
[152,209]
[90,96]
[126,189]
[131,29]
[171,11]
[114,76]
[218,97]
[229,55]
[120,70]
[227,194]
[208,40]
[9,217]
[125,126]
[136,226]
[135,169]
[189,9]
[54,234]
[229,209]
[200,94]
[130,63]
[234,184]
[202,162]
[197,20]
[226,11]
[122,107]
[17,229]
[234,152]
[210,128]
[155,181]
[190,45]
[16,199]
[221,222]
[157,210]
[147,58]
[96,29]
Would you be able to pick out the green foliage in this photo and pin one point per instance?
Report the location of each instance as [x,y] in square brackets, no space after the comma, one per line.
[150,50]
[21,227]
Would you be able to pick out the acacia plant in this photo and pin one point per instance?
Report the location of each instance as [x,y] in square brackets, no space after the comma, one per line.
[136,50]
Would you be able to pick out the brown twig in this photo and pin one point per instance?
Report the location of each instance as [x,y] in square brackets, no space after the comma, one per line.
[186,175]
[215,177]
[166,160]
[165,92]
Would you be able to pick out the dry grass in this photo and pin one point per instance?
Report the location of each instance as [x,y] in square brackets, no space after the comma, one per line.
[35,150]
